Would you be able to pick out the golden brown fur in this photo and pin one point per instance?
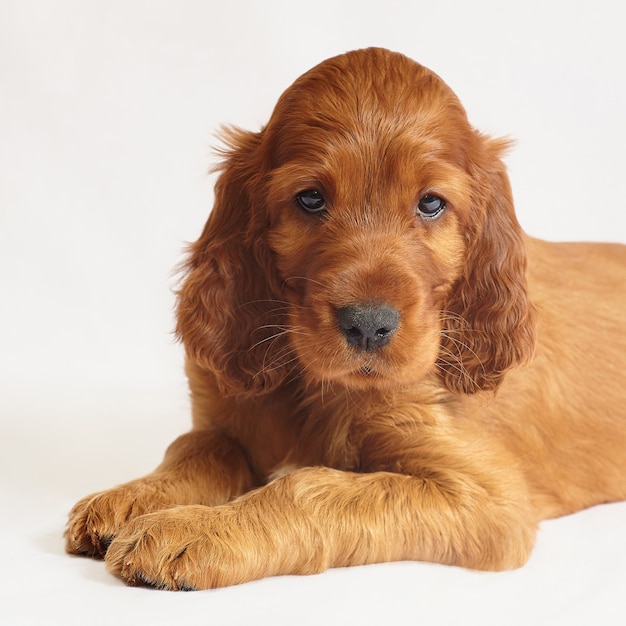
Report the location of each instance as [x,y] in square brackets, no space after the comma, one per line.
[496,402]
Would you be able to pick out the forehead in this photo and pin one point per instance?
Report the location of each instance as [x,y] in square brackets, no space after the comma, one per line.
[366,105]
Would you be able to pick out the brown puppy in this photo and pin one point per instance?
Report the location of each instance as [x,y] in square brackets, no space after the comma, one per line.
[382,364]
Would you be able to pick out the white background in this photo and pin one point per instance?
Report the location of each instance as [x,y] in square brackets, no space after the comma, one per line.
[108,112]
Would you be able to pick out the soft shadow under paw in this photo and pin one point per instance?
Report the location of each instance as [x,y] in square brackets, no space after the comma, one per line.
[141,580]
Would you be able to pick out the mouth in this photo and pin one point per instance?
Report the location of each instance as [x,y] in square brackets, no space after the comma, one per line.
[365,376]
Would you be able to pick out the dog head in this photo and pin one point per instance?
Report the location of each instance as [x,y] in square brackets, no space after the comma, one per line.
[365,237]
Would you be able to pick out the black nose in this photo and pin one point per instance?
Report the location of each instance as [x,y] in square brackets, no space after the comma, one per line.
[368,326]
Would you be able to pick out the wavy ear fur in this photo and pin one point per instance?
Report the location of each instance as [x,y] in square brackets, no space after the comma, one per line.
[490,322]
[228,299]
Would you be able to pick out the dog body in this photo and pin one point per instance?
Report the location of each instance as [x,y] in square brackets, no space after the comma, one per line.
[382,365]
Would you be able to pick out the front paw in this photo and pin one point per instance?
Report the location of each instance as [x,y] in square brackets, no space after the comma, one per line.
[187,548]
[95,520]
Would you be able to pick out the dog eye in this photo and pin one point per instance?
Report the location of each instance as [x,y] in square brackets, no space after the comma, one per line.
[431,206]
[311,201]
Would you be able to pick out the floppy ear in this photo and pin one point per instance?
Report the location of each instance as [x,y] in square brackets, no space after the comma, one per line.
[489,322]
[228,309]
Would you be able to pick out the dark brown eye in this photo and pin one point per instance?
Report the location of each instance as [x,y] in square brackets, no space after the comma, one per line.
[311,201]
[431,206]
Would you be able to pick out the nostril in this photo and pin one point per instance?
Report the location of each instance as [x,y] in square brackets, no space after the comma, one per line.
[368,326]
[353,331]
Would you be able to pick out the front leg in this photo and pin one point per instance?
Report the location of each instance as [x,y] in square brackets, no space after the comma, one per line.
[201,467]
[315,518]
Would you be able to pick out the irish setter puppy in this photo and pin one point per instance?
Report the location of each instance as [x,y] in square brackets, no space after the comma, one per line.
[382,365]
